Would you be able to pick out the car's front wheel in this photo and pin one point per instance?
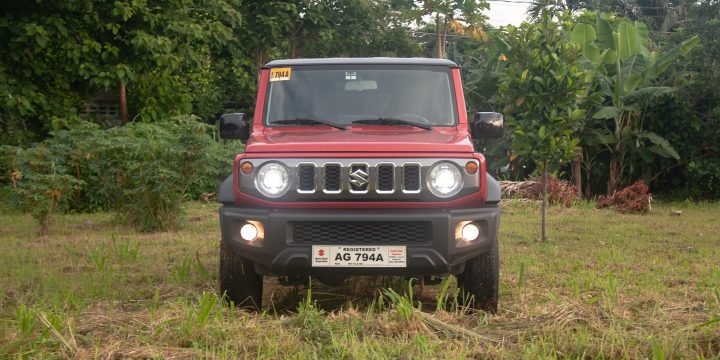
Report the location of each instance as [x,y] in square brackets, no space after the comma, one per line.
[239,281]
[480,281]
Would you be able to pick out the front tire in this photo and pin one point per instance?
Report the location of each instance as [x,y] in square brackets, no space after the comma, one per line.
[480,281]
[239,281]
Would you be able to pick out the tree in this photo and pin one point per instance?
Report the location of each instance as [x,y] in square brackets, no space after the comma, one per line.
[57,53]
[537,7]
[461,16]
[543,87]
[624,73]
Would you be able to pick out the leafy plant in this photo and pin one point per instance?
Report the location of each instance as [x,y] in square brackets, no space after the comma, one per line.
[543,87]
[143,171]
[624,71]
[41,184]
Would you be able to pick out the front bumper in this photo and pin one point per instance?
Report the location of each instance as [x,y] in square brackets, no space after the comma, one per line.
[276,252]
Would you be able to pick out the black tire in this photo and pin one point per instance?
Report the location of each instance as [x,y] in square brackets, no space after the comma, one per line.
[239,281]
[481,280]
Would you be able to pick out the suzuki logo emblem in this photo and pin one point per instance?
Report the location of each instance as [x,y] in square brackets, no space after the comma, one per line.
[359,178]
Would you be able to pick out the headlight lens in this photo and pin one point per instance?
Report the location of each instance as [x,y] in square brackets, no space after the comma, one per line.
[272,180]
[470,232]
[248,232]
[444,179]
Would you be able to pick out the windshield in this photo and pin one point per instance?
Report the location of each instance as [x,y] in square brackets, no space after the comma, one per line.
[360,94]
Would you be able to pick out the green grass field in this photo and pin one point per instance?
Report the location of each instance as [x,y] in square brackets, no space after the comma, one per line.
[607,285]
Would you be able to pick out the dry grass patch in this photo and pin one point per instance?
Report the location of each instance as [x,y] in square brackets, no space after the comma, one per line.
[607,285]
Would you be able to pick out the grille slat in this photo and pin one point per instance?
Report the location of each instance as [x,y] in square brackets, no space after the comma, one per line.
[386,178]
[306,178]
[332,177]
[360,232]
[411,177]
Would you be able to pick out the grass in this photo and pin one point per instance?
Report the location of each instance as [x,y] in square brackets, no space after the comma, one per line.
[607,285]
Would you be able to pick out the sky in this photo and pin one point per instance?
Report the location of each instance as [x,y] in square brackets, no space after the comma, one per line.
[504,13]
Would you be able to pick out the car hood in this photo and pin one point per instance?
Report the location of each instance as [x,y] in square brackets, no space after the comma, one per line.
[360,139]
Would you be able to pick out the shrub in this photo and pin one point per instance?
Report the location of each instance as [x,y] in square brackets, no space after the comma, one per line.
[152,166]
[41,184]
[143,171]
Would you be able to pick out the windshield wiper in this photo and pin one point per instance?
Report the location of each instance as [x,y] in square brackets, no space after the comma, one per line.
[303,121]
[392,121]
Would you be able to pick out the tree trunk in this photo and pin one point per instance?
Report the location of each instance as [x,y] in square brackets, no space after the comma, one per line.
[293,41]
[614,175]
[293,46]
[260,57]
[588,190]
[438,39]
[123,104]
[543,208]
[577,172]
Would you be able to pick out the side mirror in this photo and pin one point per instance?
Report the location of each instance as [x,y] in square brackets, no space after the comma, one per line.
[487,125]
[234,127]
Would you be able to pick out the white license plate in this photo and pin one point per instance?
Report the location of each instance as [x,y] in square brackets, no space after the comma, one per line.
[359,256]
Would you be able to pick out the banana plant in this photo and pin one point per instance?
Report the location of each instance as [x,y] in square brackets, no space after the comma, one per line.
[625,70]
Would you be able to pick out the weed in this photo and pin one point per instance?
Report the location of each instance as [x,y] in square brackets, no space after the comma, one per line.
[403,303]
[521,281]
[181,273]
[124,250]
[26,319]
[657,351]
[197,316]
[200,268]
[99,257]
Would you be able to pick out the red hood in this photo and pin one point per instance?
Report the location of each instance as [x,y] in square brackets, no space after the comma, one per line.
[360,139]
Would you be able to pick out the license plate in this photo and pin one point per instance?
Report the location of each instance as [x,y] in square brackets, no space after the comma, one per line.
[359,256]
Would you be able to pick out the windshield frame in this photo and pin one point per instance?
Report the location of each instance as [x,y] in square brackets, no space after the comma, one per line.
[350,67]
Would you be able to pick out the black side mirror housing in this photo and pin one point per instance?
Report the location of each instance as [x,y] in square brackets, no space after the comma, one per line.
[234,127]
[487,125]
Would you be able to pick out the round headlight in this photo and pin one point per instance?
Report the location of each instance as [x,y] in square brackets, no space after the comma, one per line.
[444,179]
[272,180]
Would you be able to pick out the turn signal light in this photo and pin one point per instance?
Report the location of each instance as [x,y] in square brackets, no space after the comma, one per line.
[246,167]
[471,167]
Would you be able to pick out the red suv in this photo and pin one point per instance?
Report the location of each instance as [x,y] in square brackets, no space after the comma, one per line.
[359,167]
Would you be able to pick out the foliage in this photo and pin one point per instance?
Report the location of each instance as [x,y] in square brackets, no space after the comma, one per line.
[59,53]
[41,183]
[458,16]
[151,167]
[624,71]
[143,171]
[690,120]
[543,87]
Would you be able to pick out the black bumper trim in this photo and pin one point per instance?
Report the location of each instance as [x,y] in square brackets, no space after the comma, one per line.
[275,253]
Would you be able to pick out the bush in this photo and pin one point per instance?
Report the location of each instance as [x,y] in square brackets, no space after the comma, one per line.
[152,167]
[143,171]
[41,183]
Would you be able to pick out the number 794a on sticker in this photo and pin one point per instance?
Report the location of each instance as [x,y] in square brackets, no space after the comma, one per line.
[359,256]
[280,74]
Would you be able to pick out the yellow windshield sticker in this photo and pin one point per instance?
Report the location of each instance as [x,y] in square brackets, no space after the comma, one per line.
[280,74]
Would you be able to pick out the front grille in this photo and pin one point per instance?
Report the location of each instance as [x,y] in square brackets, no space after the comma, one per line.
[359,178]
[401,232]
[411,177]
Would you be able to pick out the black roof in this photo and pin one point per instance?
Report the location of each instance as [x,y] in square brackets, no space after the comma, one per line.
[362,61]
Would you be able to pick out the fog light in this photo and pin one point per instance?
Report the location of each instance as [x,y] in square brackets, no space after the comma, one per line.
[470,232]
[248,232]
